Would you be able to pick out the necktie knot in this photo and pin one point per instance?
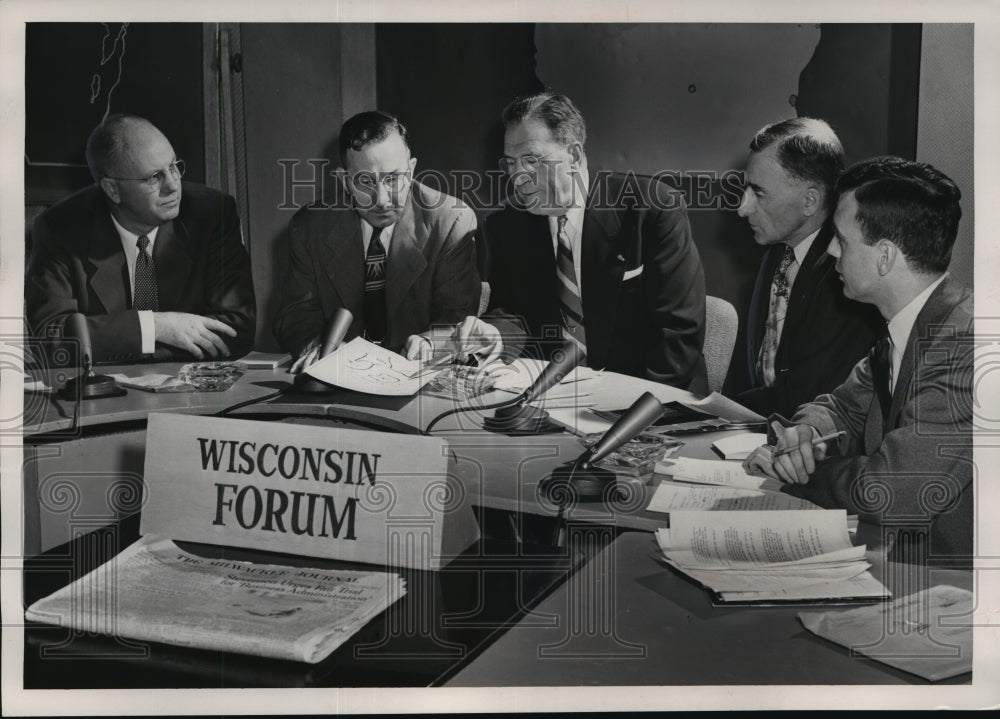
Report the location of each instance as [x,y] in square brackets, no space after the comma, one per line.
[142,243]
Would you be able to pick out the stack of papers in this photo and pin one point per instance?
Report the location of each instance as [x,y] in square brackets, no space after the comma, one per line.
[714,471]
[770,556]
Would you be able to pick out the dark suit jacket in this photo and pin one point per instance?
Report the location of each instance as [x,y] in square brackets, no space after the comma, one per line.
[824,336]
[431,275]
[651,325]
[912,472]
[77,265]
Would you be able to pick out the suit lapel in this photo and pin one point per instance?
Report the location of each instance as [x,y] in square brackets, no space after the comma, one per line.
[406,258]
[108,272]
[600,277]
[810,273]
[343,260]
[934,312]
[173,256]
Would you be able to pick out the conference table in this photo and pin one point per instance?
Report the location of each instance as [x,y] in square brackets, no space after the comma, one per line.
[507,612]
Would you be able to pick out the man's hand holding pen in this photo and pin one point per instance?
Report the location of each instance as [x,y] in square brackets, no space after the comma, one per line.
[794,455]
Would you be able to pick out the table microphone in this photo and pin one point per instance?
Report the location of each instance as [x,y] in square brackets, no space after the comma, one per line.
[335,332]
[590,482]
[88,385]
[519,416]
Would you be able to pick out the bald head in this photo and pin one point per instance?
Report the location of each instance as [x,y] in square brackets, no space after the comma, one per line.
[114,140]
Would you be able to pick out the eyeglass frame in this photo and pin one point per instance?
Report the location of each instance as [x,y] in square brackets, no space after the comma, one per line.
[382,178]
[154,182]
[522,161]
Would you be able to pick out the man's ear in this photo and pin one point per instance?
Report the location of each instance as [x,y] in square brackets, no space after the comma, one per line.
[886,255]
[110,188]
[413,164]
[812,201]
[575,150]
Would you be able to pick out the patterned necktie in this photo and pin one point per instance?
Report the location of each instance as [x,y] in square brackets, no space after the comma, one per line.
[570,303]
[145,295]
[375,288]
[783,280]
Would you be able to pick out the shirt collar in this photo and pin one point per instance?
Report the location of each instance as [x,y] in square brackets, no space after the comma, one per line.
[902,323]
[129,239]
[367,230]
[802,249]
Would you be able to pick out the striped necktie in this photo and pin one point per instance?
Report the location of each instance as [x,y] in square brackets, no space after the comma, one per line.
[375,321]
[145,295]
[570,302]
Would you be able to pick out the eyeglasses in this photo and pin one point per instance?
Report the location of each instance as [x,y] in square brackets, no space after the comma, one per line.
[391,181]
[530,163]
[156,180]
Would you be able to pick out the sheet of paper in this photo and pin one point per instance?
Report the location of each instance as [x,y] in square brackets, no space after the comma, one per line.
[760,581]
[737,539]
[671,496]
[928,633]
[153,383]
[519,374]
[722,406]
[363,366]
[714,471]
[739,446]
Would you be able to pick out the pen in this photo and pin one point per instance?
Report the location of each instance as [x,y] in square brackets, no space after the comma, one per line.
[816,441]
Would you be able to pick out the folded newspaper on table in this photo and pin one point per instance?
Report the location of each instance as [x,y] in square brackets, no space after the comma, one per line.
[770,556]
[155,591]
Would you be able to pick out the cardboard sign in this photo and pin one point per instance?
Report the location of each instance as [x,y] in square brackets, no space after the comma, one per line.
[345,494]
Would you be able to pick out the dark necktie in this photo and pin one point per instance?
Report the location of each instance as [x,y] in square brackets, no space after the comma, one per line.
[881,364]
[570,303]
[375,288]
[145,295]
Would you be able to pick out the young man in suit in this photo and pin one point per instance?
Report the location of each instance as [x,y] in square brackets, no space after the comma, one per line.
[602,259]
[398,254]
[156,266]
[803,334]
[905,460]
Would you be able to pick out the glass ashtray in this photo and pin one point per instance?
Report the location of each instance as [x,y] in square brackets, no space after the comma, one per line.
[460,383]
[638,456]
[212,376]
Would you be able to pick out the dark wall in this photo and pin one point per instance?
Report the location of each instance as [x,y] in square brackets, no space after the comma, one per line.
[449,83]
[77,72]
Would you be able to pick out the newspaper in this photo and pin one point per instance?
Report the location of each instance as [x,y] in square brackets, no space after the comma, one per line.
[155,591]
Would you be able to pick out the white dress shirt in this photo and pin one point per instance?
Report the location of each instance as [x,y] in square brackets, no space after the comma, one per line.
[574,225]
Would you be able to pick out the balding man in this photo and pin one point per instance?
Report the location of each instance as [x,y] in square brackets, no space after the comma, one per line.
[803,336]
[156,266]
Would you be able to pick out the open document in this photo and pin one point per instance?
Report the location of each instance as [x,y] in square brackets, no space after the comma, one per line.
[155,591]
[363,366]
[769,556]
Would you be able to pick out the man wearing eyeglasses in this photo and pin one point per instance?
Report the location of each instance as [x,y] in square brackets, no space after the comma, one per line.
[398,254]
[156,266]
[604,260]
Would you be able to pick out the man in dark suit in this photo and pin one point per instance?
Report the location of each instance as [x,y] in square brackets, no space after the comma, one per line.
[399,255]
[905,461]
[156,266]
[803,335]
[601,259]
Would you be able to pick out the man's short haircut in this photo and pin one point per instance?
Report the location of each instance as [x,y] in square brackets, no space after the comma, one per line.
[367,128]
[107,143]
[557,112]
[912,204]
[807,149]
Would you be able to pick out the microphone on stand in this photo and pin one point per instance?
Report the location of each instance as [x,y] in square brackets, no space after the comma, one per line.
[590,482]
[87,385]
[335,332]
[521,418]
